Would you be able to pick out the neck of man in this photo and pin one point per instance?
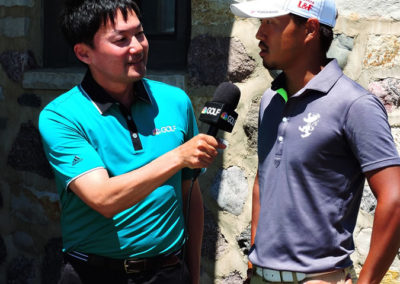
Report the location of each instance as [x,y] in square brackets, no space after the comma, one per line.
[300,74]
[122,92]
[124,95]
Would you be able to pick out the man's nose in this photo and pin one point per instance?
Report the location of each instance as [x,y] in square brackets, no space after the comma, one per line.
[135,46]
[260,35]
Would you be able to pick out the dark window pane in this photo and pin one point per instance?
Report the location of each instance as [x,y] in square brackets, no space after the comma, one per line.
[159,17]
[166,25]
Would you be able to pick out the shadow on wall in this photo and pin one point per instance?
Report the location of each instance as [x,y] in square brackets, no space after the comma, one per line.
[212,59]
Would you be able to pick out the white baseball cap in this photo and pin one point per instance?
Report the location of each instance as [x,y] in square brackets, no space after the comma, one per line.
[323,10]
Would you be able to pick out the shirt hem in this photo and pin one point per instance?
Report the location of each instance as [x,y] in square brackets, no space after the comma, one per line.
[395,161]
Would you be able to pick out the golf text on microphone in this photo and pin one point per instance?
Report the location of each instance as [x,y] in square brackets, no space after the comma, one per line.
[219,115]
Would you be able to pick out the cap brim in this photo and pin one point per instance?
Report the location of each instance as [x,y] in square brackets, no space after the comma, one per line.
[257,9]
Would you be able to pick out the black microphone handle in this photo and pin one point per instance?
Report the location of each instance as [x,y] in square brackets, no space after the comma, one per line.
[212,131]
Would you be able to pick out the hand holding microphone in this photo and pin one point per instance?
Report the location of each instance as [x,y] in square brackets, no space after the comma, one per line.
[220,112]
[200,151]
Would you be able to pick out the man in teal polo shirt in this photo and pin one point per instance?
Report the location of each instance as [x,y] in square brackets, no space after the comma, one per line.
[122,149]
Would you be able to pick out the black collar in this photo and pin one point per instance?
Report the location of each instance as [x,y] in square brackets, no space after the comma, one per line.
[102,100]
[279,82]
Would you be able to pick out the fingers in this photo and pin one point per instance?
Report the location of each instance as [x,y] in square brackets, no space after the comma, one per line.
[205,149]
[222,144]
[200,151]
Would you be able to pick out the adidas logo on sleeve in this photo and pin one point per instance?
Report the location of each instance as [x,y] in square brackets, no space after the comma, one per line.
[76,160]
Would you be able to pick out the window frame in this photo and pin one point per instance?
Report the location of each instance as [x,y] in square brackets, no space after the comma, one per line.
[167,52]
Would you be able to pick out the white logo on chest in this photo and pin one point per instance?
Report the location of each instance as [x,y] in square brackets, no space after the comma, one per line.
[311,122]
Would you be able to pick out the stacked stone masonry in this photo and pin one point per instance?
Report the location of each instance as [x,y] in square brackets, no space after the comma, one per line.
[223,48]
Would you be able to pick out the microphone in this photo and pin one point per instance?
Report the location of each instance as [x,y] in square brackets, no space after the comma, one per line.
[220,113]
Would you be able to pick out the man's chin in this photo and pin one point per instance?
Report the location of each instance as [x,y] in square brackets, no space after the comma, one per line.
[137,75]
[269,66]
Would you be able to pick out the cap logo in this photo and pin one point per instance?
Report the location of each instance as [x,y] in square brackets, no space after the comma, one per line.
[263,12]
[305,6]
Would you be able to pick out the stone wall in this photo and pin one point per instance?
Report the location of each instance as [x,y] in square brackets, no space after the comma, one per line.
[222,48]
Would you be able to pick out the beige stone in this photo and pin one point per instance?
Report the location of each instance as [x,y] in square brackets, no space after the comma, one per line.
[382,51]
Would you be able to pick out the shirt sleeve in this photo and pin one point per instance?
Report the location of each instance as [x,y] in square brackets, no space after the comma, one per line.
[66,147]
[192,131]
[369,134]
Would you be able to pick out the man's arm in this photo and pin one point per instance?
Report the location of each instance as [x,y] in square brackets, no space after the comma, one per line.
[195,225]
[110,196]
[255,212]
[385,239]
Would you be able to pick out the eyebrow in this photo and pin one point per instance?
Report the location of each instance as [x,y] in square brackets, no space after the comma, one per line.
[118,31]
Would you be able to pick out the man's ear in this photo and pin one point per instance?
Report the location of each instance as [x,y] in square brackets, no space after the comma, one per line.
[82,52]
[312,29]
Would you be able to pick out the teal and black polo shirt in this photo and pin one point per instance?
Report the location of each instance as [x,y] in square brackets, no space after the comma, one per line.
[86,129]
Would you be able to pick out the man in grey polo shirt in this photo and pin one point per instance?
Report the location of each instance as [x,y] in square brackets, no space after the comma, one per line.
[320,136]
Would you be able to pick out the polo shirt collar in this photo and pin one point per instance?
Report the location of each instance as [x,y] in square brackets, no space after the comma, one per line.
[102,100]
[321,83]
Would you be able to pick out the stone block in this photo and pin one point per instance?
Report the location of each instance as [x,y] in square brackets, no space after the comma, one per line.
[213,60]
[20,270]
[27,152]
[52,262]
[230,190]
[15,63]
[382,51]
[250,125]
[14,27]
[368,201]
[28,210]
[176,80]
[30,100]
[3,250]
[340,48]
[244,239]
[3,123]
[388,91]
[362,242]
[214,243]
[23,241]
[53,79]
[211,12]
[233,278]
[388,9]
[11,3]
[49,201]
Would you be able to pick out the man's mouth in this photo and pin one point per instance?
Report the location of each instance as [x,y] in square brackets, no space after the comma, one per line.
[135,60]
[263,47]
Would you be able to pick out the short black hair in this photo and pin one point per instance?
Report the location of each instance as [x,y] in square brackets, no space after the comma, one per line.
[81,19]
[325,32]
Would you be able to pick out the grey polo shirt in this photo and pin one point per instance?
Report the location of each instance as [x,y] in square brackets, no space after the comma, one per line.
[313,152]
